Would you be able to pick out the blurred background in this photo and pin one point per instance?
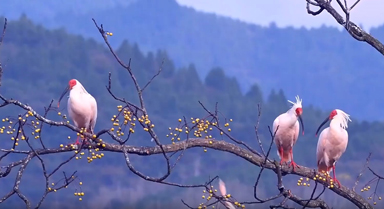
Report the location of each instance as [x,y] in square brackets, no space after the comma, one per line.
[236,53]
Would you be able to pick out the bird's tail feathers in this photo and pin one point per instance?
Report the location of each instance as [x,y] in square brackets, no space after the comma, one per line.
[323,168]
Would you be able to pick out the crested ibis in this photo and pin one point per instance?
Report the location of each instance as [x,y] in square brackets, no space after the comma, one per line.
[332,142]
[286,129]
[82,106]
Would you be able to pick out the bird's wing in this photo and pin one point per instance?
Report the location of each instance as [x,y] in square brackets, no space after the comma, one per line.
[343,138]
[276,122]
[70,112]
[297,130]
[93,103]
[321,145]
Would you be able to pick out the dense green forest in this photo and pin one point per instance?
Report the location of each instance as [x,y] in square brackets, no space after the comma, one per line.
[320,64]
[39,62]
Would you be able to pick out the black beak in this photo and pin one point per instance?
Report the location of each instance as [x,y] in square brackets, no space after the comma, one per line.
[62,95]
[326,120]
[302,124]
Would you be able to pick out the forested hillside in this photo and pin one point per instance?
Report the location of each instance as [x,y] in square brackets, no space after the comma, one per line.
[39,62]
[320,64]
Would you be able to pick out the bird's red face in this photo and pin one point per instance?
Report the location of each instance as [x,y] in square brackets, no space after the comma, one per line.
[331,116]
[333,113]
[72,83]
[299,111]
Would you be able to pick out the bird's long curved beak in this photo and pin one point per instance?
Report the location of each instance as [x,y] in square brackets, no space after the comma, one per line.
[302,124]
[62,95]
[326,120]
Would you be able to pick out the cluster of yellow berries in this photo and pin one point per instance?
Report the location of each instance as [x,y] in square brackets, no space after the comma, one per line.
[63,116]
[200,127]
[324,178]
[93,155]
[109,33]
[303,182]
[144,120]
[175,133]
[208,196]
[79,194]
[128,121]
[10,128]
[52,189]
[370,197]
[239,205]
[365,188]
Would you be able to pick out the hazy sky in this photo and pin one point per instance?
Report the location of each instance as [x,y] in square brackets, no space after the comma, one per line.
[288,12]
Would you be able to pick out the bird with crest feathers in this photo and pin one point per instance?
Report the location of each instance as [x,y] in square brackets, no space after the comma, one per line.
[286,129]
[332,142]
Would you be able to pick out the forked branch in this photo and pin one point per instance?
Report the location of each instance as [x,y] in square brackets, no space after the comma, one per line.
[355,31]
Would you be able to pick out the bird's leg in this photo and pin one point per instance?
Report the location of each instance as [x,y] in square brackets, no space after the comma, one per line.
[77,143]
[281,152]
[334,176]
[88,140]
[77,140]
[293,164]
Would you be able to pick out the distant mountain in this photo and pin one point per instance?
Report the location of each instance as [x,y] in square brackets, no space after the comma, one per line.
[37,66]
[325,66]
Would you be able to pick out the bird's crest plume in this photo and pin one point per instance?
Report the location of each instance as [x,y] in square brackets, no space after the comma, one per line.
[343,118]
[297,103]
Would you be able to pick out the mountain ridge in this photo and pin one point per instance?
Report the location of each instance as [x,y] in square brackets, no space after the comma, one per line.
[318,64]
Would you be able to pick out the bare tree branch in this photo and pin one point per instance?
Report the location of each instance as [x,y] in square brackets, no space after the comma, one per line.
[139,113]
[354,30]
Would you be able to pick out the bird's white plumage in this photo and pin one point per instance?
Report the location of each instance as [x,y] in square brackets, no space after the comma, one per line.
[287,132]
[332,142]
[82,108]
[288,128]
[223,191]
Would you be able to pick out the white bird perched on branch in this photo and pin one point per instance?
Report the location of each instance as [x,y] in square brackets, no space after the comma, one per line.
[287,133]
[82,107]
[332,142]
